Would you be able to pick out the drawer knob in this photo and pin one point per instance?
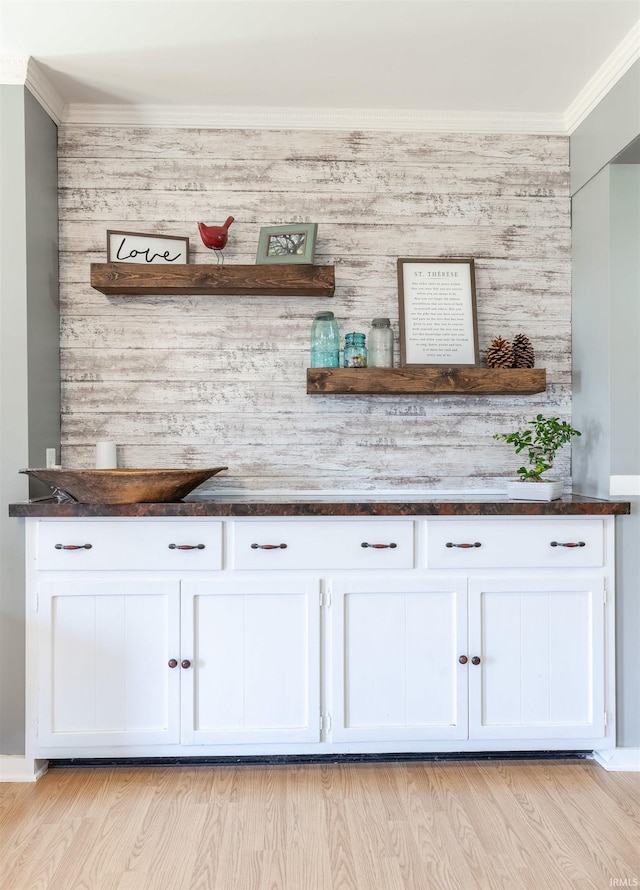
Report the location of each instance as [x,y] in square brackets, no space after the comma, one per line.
[568,544]
[463,659]
[173,663]
[475,660]
[463,546]
[73,546]
[186,546]
[186,664]
[379,546]
[268,546]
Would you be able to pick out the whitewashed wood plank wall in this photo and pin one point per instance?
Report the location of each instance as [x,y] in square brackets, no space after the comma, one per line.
[189,381]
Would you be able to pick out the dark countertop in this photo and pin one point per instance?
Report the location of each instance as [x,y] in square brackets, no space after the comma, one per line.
[317,505]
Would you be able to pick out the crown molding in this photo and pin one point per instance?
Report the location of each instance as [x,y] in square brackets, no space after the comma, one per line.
[25,71]
[42,89]
[13,70]
[223,117]
[621,59]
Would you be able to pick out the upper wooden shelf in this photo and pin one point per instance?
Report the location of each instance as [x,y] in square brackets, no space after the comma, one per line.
[426,381]
[138,279]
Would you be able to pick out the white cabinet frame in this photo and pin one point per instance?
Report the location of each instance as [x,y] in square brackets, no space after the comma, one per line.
[367,659]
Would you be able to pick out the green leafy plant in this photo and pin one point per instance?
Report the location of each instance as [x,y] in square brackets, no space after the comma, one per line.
[542,439]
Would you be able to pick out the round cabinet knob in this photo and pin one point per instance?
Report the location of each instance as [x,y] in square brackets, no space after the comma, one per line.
[186,663]
[475,660]
[463,659]
[172,663]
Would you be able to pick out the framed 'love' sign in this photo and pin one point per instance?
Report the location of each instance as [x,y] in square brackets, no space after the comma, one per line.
[136,247]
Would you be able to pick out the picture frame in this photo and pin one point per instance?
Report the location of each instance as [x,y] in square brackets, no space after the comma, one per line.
[295,243]
[438,318]
[139,247]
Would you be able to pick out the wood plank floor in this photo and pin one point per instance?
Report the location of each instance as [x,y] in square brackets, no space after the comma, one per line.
[539,825]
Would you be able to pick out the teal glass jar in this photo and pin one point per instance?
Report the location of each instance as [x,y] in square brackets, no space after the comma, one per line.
[355,351]
[325,341]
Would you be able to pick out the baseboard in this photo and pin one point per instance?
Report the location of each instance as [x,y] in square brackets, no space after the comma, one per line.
[17,768]
[619,759]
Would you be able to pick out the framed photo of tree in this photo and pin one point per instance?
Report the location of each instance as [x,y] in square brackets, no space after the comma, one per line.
[438,321]
[287,244]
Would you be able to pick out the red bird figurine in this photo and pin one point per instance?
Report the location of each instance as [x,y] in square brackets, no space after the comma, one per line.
[215,237]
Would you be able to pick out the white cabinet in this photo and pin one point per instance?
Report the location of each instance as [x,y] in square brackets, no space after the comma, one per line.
[129,660]
[509,659]
[396,644]
[322,544]
[174,545]
[103,653]
[511,542]
[254,652]
[208,637]
[539,648]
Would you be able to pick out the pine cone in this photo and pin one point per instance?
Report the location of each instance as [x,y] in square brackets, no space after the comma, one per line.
[500,354]
[523,352]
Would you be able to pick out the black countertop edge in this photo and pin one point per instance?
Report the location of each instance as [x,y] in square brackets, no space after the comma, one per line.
[572,505]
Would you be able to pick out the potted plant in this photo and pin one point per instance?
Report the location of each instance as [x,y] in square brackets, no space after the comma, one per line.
[541,438]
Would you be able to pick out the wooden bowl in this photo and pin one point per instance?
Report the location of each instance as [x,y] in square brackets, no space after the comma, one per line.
[123,486]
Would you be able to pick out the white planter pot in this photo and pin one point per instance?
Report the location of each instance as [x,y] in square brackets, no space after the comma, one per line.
[534,491]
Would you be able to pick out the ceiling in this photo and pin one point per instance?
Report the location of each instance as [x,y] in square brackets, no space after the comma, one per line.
[511,59]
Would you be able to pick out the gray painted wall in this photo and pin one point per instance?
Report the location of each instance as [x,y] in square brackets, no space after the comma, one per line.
[606,345]
[625,430]
[13,414]
[43,317]
[591,348]
[624,212]
[29,365]
[608,130]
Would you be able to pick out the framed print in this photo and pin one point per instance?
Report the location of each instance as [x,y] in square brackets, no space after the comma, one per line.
[136,247]
[438,322]
[287,244]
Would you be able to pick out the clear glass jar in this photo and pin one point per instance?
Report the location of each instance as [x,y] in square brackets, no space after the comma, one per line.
[380,344]
[325,341]
[355,351]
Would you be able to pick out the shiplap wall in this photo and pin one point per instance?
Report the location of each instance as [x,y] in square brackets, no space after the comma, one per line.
[206,381]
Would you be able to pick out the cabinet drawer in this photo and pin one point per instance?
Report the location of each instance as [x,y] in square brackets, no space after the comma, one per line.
[513,542]
[129,544]
[319,544]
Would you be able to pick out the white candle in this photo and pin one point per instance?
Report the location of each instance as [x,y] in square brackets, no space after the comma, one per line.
[50,458]
[106,456]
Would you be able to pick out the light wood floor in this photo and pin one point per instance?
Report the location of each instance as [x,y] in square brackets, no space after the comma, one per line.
[492,824]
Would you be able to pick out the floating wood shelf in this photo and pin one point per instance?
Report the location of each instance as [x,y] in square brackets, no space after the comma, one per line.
[426,381]
[138,279]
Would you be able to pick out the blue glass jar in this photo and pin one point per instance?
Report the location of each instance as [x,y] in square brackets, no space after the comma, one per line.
[325,341]
[355,351]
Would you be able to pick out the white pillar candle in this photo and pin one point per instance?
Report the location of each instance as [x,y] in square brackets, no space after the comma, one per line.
[106,456]
[50,458]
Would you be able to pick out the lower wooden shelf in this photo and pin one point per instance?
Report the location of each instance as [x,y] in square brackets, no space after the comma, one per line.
[426,381]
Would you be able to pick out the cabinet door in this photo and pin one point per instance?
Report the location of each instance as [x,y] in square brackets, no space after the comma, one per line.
[103,650]
[396,645]
[541,650]
[254,648]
